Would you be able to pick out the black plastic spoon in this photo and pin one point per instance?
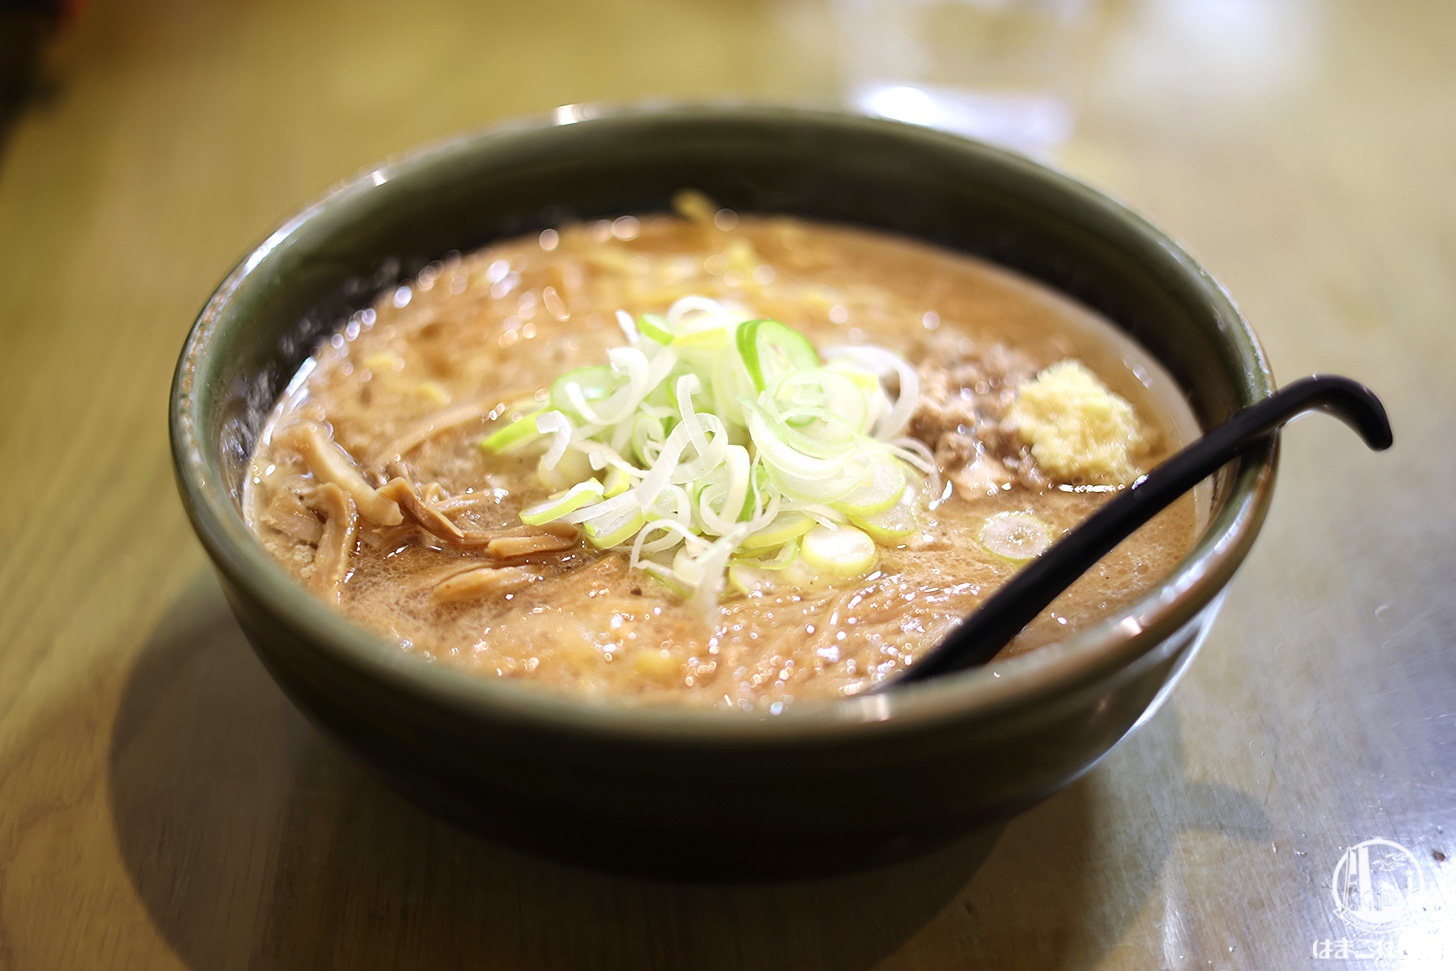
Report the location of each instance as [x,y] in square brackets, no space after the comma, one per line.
[1015,604]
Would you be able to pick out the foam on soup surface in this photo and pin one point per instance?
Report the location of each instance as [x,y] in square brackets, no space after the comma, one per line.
[370,484]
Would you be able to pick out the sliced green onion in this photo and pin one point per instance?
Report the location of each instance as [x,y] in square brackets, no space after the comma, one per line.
[769,349]
[617,481]
[838,550]
[882,363]
[883,488]
[713,564]
[673,532]
[721,504]
[573,467]
[649,435]
[786,556]
[718,449]
[893,524]
[582,386]
[558,426]
[687,568]
[665,576]
[615,534]
[654,328]
[1016,536]
[825,395]
[552,509]
[711,338]
[512,435]
[786,527]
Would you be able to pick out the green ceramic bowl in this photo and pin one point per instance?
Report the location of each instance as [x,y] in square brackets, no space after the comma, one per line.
[825,786]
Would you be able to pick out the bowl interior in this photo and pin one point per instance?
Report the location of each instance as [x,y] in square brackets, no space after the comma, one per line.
[385,225]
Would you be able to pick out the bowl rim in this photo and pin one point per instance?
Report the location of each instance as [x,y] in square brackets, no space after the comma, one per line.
[1084,660]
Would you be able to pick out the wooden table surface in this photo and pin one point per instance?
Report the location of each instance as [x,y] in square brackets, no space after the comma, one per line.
[162,805]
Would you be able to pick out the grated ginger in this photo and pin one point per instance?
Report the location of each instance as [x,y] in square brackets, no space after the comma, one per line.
[1078,429]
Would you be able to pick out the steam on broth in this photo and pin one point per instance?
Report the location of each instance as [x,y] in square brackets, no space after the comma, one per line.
[393,474]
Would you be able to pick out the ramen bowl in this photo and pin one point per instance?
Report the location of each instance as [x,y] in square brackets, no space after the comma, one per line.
[822,786]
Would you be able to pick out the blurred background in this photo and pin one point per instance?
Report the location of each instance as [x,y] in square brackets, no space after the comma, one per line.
[1302,149]
[1216,117]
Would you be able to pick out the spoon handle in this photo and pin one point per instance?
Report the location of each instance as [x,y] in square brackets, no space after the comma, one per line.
[1004,614]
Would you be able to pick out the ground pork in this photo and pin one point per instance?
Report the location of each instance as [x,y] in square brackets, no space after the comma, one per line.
[965,390]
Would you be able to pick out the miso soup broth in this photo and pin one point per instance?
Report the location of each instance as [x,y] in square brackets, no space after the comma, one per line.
[984,413]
